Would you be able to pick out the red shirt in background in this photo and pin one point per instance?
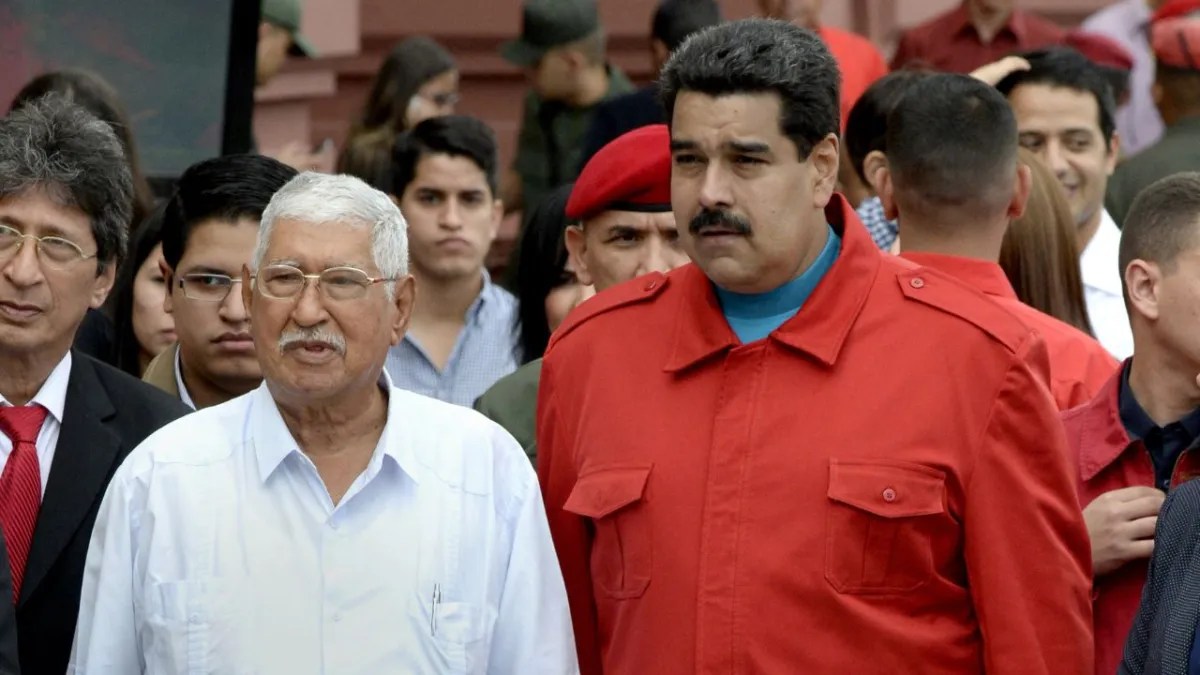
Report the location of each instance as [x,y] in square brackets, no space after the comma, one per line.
[951,43]
[858,60]
[1079,366]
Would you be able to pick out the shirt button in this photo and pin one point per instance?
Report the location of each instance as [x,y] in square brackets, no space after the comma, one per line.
[651,285]
[333,526]
[337,617]
[889,495]
[194,619]
[917,282]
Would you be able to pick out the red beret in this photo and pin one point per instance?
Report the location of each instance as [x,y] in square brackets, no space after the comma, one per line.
[1175,34]
[1100,49]
[632,173]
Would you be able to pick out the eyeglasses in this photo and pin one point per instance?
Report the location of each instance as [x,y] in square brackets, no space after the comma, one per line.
[207,287]
[284,282]
[54,251]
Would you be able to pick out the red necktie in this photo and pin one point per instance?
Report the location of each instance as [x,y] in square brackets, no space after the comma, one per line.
[20,486]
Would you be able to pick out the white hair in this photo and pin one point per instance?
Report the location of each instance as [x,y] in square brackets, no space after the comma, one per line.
[319,198]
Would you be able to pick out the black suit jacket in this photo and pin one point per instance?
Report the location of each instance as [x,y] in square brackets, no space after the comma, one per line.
[1160,641]
[8,618]
[106,414]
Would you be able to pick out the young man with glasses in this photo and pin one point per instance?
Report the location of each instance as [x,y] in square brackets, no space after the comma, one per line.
[209,228]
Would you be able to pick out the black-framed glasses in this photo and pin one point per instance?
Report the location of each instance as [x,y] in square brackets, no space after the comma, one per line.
[285,282]
[54,251]
[207,287]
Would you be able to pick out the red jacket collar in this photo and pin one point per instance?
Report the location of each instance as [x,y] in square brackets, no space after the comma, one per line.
[1102,435]
[821,326]
[986,277]
[959,21]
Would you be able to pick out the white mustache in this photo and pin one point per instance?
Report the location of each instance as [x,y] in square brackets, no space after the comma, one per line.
[313,335]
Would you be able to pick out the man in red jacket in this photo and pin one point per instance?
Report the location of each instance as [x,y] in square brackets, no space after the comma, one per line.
[1137,438]
[953,180]
[811,458]
[975,33]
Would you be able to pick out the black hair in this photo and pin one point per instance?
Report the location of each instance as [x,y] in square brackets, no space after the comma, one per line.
[126,348]
[866,125]
[1067,68]
[453,135]
[226,188]
[411,63]
[57,146]
[757,56]
[541,262]
[1163,220]
[675,20]
[952,144]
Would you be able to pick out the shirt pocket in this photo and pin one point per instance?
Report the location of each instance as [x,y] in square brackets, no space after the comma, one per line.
[461,635]
[622,550]
[880,526]
[193,627]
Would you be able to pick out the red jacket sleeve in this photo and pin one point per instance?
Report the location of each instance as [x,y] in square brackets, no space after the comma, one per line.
[1026,547]
[571,533]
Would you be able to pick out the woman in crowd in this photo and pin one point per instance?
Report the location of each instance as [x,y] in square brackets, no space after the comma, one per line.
[418,80]
[544,283]
[1040,255]
[143,329]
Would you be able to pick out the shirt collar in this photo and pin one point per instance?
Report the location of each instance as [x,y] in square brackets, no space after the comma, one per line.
[1098,262]
[184,395]
[53,393]
[985,277]
[960,22]
[274,443]
[819,329]
[1103,438]
[1138,423]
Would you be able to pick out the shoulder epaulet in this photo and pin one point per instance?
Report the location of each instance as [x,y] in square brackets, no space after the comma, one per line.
[641,289]
[943,292]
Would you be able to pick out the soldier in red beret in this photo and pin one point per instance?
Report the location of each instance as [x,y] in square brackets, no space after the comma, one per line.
[622,228]
[799,455]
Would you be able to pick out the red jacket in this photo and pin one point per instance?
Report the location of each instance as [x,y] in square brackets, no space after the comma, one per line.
[1079,366]
[1107,460]
[880,485]
[950,42]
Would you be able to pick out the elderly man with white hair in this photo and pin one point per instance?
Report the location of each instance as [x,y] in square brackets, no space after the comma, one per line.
[326,522]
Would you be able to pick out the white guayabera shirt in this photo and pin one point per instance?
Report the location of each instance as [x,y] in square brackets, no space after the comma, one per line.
[218,550]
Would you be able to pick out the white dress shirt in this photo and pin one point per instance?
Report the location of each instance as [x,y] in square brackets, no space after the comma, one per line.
[184,395]
[1102,292]
[53,397]
[218,550]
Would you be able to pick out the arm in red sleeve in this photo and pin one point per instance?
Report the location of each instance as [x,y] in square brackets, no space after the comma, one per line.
[1027,551]
[571,533]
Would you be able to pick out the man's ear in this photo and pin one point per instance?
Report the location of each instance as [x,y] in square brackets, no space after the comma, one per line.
[169,280]
[497,219]
[824,158]
[872,163]
[576,241]
[887,192]
[1143,280]
[1114,153]
[405,297]
[247,289]
[1021,190]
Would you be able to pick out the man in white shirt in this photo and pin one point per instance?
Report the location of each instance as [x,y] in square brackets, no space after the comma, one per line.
[1064,110]
[326,522]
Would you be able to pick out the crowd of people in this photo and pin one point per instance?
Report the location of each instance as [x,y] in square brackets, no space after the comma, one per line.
[806,362]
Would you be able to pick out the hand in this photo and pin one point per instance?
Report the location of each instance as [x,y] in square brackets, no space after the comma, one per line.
[995,71]
[1121,526]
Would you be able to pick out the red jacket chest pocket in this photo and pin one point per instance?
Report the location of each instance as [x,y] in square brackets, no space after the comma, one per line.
[622,549]
[881,521]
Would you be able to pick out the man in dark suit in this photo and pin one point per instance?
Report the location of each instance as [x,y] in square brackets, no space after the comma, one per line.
[8,619]
[674,21]
[66,420]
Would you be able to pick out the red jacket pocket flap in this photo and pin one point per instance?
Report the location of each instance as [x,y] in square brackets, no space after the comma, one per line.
[602,492]
[888,489]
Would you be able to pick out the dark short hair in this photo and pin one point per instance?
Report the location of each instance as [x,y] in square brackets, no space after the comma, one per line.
[675,20]
[225,188]
[453,135]
[760,56]
[126,347]
[1067,68]
[57,146]
[411,63]
[866,125]
[952,143]
[1163,220]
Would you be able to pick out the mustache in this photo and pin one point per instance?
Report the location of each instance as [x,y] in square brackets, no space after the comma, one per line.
[317,335]
[723,219]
